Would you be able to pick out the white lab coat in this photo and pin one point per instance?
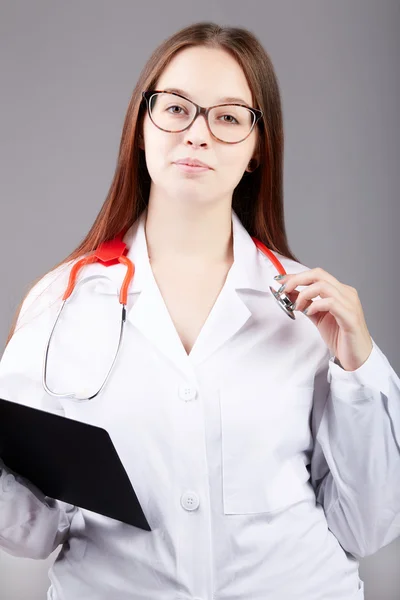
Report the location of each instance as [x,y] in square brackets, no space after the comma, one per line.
[263,468]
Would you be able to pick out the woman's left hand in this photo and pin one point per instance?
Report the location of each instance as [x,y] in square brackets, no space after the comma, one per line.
[338,314]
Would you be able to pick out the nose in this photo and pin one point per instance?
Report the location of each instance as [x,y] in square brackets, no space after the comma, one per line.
[198,132]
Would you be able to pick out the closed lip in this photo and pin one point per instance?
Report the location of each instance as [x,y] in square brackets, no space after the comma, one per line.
[192,162]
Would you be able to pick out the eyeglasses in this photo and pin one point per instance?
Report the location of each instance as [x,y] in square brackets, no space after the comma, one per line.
[229,123]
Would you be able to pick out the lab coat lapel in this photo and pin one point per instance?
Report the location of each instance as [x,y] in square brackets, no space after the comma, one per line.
[148,313]
[151,318]
[226,317]
[250,271]
[146,309]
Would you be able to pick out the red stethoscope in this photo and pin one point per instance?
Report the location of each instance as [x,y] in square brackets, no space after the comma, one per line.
[113,252]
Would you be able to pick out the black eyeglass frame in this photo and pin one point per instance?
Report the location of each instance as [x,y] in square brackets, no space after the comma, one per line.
[200,110]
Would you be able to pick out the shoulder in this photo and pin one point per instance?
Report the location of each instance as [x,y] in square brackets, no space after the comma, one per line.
[45,293]
[291,266]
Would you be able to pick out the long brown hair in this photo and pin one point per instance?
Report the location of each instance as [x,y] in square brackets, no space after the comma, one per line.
[258,197]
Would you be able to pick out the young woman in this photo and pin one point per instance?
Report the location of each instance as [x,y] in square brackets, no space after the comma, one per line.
[264,450]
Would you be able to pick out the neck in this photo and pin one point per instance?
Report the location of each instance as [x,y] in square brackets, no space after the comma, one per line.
[189,236]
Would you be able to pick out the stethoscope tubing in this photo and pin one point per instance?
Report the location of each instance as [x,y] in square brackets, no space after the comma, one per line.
[109,253]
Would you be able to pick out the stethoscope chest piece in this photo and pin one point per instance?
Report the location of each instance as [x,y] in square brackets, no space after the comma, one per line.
[284,302]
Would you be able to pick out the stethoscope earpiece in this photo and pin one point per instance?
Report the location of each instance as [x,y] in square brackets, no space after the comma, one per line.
[284,302]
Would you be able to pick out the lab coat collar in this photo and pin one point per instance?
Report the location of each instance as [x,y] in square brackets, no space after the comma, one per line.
[251,270]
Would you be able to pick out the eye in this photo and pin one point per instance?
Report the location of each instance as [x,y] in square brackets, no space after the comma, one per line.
[174,106]
[231,118]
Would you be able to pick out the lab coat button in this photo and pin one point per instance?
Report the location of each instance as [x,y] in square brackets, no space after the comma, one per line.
[190,501]
[186,392]
[8,482]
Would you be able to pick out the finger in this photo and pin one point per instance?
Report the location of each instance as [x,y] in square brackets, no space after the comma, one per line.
[305,278]
[319,290]
[342,315]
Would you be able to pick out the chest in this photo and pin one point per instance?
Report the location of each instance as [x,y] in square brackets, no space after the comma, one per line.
[189,296]
[248,394]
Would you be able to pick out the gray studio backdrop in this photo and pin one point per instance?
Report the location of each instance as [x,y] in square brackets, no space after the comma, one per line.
[66,74]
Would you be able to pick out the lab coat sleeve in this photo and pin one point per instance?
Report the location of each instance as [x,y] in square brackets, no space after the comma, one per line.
[32,525]
[355,464]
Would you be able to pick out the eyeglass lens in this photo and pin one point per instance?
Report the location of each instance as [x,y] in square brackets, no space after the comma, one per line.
[228,123]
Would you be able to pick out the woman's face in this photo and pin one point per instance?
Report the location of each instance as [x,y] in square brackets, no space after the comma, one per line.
[205,75]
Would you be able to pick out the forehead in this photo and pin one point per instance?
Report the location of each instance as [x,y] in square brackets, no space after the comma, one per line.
[207,75]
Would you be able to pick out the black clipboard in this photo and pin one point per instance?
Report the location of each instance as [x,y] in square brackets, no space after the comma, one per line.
[68,460]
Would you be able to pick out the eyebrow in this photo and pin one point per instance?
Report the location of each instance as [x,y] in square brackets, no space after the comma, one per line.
[221,100]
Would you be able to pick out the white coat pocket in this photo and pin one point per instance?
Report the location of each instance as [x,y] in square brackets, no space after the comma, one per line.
[266,433]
